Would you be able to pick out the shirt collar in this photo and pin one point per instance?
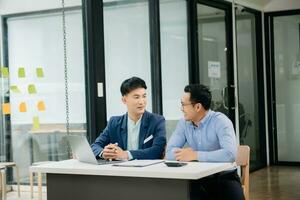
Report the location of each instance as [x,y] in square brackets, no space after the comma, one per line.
[203,121]
[205,118]
[132,123]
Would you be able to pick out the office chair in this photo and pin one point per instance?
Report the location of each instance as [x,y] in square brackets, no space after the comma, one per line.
[243,160]
[12,164]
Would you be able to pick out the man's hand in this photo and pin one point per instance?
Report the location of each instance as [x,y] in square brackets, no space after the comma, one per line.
[185,154]
[109,152]
[121,154]
[113,151]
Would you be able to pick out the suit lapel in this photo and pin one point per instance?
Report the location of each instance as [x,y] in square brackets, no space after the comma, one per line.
[143,129]
[123,132]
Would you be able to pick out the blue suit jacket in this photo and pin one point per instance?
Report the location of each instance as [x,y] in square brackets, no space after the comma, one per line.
[116,131]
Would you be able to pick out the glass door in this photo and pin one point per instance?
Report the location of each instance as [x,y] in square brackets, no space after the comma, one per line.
[250,70]
[285,35]
[214,54]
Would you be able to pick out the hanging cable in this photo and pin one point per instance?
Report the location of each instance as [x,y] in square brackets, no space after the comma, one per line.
[65,66]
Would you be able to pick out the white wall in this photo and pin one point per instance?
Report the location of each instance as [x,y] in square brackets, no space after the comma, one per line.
[269,5]
[17,6]
[255,4]
[279,5]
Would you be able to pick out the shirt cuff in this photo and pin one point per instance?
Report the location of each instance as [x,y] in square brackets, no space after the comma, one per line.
[100,154]
[201,156]
[129,155]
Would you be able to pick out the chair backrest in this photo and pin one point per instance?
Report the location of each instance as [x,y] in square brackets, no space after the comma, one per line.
[243,160]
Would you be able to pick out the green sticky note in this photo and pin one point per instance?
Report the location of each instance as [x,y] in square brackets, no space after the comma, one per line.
[31,89]
[21,72]
[4,71]
[39,72]
[15,89]
[36,123]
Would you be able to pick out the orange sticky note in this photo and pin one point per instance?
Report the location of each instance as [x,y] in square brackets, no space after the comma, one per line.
[41,106]
[23,107]
[6,108]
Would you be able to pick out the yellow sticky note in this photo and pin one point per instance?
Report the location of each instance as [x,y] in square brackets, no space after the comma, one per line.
[6,108]
[21,72]
[31,89]
[41,106]
[36,123]
[15,89]
[23,107]
[39,72]
[4,71]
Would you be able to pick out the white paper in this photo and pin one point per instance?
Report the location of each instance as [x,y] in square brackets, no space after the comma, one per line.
[214,69]
[138,163]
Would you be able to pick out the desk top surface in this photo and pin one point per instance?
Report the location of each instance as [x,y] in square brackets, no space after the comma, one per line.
[193,170]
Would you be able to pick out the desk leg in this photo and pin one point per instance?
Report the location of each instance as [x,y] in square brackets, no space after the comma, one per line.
[78,187]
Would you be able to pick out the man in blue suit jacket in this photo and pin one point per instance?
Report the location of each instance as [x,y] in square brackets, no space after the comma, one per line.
[138,134]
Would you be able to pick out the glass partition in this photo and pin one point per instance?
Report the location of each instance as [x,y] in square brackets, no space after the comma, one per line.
[33,90]
[127,49]
[287,82]
[249,117]
[173,28]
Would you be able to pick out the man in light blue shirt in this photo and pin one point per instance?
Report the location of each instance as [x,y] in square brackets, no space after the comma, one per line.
[210,137]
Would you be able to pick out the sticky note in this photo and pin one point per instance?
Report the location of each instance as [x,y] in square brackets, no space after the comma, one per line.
[21,72]
[31,89]
[6,108]
[39,72]
[41,106]
[15,89]
[23,107]
[4,71]
[36,122]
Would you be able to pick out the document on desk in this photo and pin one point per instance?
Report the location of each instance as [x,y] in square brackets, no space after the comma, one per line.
[138,163]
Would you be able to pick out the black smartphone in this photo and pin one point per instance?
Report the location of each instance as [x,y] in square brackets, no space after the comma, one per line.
[175,164]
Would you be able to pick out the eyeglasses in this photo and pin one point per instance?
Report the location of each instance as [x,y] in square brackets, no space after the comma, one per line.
[186,104]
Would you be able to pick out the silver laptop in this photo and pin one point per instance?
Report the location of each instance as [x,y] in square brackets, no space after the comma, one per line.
[81,148]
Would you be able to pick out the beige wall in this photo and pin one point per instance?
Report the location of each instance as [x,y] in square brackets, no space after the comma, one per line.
[278,5]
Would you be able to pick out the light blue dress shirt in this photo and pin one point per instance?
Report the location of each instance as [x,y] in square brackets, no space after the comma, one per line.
[214,138]
[133,130]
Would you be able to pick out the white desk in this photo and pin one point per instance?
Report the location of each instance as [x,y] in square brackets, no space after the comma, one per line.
[71,179]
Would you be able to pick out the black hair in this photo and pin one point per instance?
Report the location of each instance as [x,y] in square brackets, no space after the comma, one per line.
[131,84]
[199,94]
